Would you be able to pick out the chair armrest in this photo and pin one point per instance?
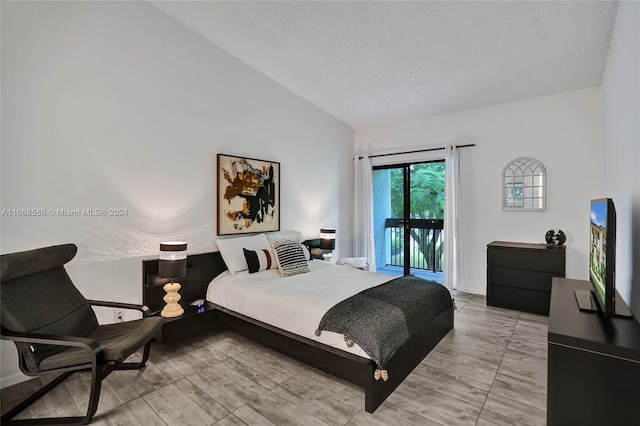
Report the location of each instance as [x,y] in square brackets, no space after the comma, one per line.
[142,308]
[49,339]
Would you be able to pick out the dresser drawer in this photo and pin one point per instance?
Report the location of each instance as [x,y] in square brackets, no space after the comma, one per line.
[522,300]
[537,260]
[526,280]
[519,275]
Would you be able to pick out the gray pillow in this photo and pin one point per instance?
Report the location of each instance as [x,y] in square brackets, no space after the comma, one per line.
[290,256]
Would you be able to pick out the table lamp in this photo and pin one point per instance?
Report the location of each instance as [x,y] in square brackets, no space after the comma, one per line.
[172,264]
[327,241]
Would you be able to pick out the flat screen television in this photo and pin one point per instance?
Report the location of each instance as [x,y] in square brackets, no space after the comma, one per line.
[602,263]
[602,254]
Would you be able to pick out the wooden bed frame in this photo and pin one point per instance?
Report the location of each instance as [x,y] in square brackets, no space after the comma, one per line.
[202,268]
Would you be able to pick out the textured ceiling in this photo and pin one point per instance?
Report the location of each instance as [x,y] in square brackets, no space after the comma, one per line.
[369,63]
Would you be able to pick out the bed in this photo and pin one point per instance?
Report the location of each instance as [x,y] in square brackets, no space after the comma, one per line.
[284,314]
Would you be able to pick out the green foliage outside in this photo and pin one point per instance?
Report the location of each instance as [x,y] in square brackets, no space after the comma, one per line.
[427,191]
[426,202]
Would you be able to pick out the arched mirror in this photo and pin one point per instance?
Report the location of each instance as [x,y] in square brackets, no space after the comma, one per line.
[523,185]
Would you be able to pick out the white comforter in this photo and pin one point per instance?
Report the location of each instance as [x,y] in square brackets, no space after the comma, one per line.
[297,303]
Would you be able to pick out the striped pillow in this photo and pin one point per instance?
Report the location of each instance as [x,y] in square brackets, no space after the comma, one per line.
[260,260]
[290,256]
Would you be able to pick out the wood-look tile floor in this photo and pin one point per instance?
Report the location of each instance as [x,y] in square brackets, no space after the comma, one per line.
[490,370]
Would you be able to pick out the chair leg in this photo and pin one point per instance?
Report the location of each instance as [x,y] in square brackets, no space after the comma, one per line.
[34,397]
[97,376]
[137,365]
[145,353]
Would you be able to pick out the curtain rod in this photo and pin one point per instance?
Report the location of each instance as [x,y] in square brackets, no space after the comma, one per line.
[418,150]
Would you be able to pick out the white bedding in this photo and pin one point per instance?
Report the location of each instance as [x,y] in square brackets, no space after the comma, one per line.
[296,303]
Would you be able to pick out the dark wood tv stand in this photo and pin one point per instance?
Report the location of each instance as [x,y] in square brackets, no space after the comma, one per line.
[594,363]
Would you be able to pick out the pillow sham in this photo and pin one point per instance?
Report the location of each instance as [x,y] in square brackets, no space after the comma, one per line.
[260,260]
[232,253]
[287,234]
[291,234]
[290,256]
[305,250]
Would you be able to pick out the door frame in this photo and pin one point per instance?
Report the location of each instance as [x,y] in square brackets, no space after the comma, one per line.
[406,219]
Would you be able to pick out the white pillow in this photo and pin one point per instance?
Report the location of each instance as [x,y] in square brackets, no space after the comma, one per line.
[287,234]
[307,254]
[355,262]
[232,253]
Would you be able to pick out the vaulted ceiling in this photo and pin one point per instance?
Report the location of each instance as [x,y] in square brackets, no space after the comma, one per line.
[368,63]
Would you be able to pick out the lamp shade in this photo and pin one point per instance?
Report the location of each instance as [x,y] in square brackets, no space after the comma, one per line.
[173,260]
[327,238]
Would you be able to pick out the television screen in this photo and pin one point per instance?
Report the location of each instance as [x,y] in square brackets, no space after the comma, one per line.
[602,253]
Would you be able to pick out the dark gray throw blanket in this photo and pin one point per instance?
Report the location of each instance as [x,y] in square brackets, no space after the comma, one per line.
[382,318]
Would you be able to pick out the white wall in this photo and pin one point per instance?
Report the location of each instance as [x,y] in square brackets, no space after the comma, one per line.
[621,88]
[115,105]
[563,131]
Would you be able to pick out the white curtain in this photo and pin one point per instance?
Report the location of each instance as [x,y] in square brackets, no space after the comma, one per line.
[453,265]
[363,211]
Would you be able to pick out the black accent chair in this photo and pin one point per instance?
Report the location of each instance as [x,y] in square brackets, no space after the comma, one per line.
[55,329]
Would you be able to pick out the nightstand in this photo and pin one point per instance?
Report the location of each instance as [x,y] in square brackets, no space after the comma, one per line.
[193,321]
[201,269]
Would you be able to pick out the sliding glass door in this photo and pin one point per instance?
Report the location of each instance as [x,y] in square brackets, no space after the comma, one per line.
[409,218]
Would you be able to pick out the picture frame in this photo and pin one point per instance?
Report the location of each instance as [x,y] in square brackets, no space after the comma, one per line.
[248,195]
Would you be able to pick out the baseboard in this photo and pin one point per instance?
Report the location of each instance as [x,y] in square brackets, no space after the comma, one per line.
[476,291]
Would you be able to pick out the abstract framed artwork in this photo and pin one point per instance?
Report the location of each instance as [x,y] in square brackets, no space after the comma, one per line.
[248,195]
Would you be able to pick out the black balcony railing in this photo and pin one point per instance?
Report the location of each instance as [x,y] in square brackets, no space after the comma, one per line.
[426,244]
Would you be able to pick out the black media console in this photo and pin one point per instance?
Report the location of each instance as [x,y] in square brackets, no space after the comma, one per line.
[594,363]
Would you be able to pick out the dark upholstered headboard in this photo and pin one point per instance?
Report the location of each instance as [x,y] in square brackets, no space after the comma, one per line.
[201,269]
[314,248]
